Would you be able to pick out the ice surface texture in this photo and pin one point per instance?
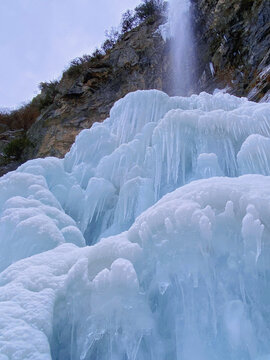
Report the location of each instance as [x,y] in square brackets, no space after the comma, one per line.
[180,276]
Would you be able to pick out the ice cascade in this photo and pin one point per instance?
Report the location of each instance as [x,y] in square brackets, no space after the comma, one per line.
[172,197]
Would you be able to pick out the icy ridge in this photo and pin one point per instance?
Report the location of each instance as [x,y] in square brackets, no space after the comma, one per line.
[189,269]
[151,144]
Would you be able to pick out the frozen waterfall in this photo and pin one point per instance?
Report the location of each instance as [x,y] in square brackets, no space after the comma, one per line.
[172,195]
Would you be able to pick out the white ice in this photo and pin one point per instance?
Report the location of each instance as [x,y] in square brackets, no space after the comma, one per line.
[180,276]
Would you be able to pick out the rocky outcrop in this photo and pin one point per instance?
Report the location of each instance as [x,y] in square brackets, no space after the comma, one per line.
[232,40]
[140,60]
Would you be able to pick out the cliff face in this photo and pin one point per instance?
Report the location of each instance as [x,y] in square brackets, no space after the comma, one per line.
[139,61]
[232,44]
[232,40]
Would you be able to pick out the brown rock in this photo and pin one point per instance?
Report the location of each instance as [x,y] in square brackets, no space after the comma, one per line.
[139,61]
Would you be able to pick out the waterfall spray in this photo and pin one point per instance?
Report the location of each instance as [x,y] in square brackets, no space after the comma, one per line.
[183,52]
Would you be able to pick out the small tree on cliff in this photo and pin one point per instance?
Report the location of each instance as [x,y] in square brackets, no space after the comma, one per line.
[112,36]
[129,21]
[149,8]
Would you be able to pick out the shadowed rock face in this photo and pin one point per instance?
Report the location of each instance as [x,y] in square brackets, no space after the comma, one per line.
[232,42]
[6,137]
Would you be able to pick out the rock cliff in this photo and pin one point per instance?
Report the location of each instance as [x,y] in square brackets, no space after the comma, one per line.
[232,41]
[139,61]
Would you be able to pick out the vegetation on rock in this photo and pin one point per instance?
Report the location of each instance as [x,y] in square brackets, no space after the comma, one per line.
[148,11]
[14,149]
[21,118]
[26,115]
[48,92]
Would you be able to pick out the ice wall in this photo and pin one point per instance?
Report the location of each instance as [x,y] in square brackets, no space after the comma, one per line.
[180,276]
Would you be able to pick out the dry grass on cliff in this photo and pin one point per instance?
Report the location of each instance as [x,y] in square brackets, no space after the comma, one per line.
[21,118]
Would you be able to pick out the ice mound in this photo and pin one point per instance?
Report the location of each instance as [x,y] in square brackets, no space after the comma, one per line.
[31,218]
[150,145]
[192,270]
[178,264]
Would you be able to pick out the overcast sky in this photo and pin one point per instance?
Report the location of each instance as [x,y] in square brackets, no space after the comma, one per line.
[38,38]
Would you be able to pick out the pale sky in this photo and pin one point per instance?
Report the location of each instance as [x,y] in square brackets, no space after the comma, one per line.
[38,38]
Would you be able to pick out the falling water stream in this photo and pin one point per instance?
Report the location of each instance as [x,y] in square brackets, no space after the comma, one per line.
[183,48]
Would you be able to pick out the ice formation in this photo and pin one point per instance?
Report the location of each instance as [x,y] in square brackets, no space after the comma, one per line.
[172,196]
